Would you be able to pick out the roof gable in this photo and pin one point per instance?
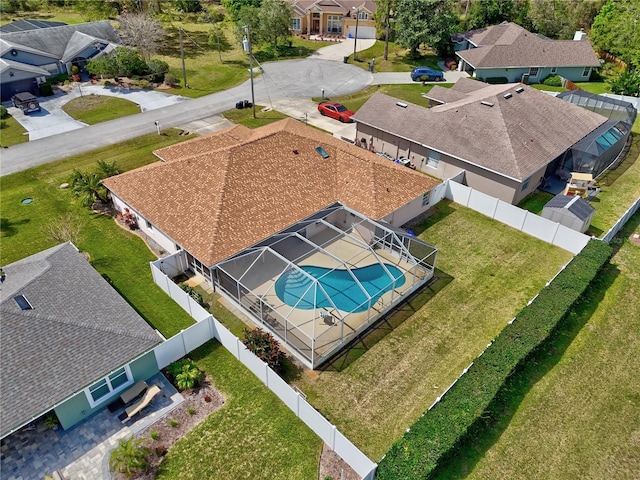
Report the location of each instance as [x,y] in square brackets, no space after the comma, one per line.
[217,202]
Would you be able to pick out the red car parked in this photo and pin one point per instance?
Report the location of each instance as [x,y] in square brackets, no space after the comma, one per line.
[336,110]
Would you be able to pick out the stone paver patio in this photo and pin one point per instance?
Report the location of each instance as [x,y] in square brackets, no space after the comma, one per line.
[80,453]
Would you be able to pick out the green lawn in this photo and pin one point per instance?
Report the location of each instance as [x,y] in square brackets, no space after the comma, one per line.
[254,435]
[11,132]
[92,109]
[575,413]
[535,202]
[399,60]
[114,252]
[485,277]
[245,116]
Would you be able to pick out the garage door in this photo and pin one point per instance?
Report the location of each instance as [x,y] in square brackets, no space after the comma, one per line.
[363,32]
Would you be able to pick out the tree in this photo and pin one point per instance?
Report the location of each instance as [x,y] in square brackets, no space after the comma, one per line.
[274,21]
[616,29]
[187,6]
[122,61]
[384,17]
[428,22]
[129,457]
[141,31]
[264,346]
[235,6]
[88,186]
[489,12]
[92,10]
[549,17]
[627,83]
[107,169]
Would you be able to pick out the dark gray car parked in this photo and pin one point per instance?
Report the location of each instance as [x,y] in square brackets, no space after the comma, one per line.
[26,102]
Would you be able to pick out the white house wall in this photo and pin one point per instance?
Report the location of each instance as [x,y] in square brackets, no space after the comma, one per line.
[156,235]
[407,212]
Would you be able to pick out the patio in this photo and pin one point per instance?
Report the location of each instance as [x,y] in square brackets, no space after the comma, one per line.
[81,452]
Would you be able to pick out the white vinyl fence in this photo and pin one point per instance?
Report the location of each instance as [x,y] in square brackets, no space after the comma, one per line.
[527,222]
[208,327]
[621,221]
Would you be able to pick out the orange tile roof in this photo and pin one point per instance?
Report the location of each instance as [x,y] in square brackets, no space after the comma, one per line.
[214,199]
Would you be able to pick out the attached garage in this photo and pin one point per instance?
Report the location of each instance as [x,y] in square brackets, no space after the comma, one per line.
[363,32]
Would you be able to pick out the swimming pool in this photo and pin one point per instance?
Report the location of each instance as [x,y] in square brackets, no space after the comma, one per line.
[339,285]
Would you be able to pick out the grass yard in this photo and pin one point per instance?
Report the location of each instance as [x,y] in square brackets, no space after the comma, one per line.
[575,413]
[399,60]
[254,435]
[114,252]
[486,274]
[11,132]
[245,116]
[92,109]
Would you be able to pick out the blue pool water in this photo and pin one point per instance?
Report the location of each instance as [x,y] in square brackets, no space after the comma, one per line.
[339,285]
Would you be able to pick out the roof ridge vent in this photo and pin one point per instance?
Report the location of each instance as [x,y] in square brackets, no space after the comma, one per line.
[519,90]
[508,95]
[488,104]
[402,104]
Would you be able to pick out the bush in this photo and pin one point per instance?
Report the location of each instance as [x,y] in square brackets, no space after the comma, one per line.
[185,373]
[496,80]
[129,457]
[436,434]
[154,435]
[171,80]
[553,81]
[264,346]
[58,78]
[3,112]
[192,293]
[46,90]
[157,70]
[627,83]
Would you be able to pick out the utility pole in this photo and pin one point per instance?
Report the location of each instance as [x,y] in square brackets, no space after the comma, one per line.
[246,45]
[355,40]
[184,70]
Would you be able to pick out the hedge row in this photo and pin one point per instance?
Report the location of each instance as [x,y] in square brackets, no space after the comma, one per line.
[438,431]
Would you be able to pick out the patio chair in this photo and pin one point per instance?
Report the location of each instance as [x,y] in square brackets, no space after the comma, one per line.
[140,404]
[134,391]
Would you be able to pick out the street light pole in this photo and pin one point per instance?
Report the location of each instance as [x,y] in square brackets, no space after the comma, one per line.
[355,40]
[246,45]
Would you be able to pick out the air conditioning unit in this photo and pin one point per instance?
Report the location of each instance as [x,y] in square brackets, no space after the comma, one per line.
[525,78]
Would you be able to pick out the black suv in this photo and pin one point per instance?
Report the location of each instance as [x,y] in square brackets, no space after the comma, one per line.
[25,102]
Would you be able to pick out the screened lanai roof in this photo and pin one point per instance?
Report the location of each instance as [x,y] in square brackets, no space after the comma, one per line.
[611,108]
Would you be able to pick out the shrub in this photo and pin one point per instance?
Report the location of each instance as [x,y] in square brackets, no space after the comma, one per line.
[553,81]
[107,83]
[264,346]
[185,373]
[46,90]
[496,80]
[129,457]
[171,79]
[436,434]
[154,435]
[58,78]
[191,411]
[3,112]
[627,83]
[173,423]
[158,69]
[192,293]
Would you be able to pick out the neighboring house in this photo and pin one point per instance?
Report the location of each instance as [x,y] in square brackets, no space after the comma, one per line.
[29,55]
[282,192]
[507,138]
[509,51]
[69,342]
[571,211]
[334,17]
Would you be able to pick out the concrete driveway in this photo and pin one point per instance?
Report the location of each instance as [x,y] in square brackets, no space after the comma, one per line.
[52,120]
[342,49]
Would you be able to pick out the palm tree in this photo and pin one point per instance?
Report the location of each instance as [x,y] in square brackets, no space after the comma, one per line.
[129,456]
[89,187]
[107,169]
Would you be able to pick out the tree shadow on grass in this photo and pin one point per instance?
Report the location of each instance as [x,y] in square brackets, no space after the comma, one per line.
[366,340]
[488,428]
[9,228]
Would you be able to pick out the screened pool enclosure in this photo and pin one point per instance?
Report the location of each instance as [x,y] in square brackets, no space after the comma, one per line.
[322,281]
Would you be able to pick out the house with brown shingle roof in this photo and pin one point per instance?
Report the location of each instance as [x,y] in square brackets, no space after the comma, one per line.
[333,18]
[273,197]
[506,138]
[509,51]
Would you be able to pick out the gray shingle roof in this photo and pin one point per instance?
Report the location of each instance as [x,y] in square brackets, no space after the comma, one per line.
[79,330]
[515,137]
[54,40]
[510,45]
[578,206]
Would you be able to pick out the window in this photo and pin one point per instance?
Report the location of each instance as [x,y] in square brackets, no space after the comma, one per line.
[533,72]
[425,198]
[363,16]
[149,226]
[554,70]
[334,23]
[295,24]
[109,385]
[586,72]
[525,184]
[433,160]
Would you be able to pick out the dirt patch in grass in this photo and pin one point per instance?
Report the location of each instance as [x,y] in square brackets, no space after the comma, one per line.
[333,467]
[160,436]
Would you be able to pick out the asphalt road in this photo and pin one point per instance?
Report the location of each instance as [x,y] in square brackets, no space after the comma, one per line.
[287,79]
